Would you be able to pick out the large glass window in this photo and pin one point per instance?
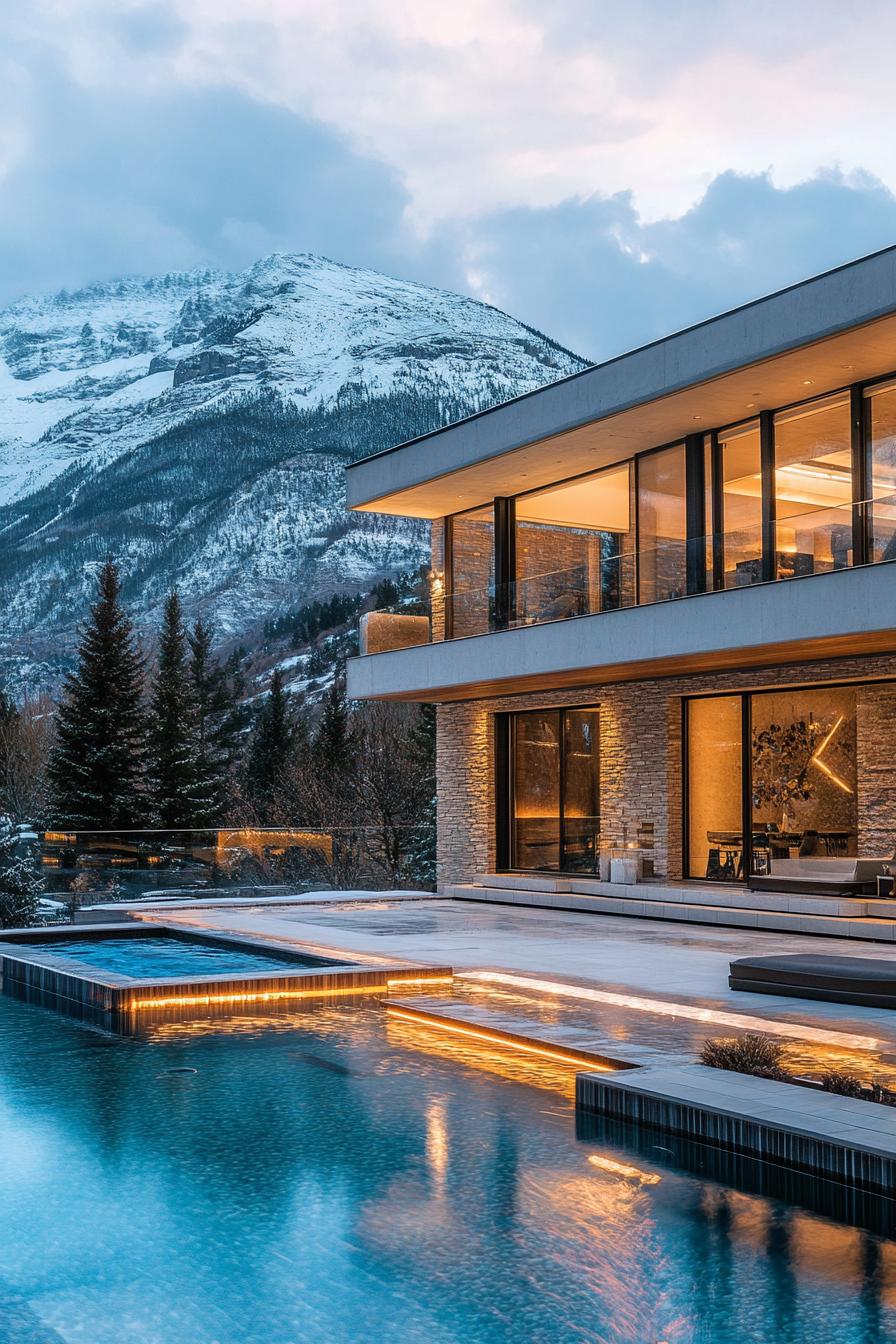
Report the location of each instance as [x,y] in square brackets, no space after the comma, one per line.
[739,543]
[813,488]
[574,548]
[881,425]
[715,787]
[803,774]
[554,812]
[470,600]
[662,525]
[796,753]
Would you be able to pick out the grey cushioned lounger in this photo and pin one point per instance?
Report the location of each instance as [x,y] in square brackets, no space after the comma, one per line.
[868,981]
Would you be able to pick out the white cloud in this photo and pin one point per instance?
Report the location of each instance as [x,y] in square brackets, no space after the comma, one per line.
[490,104]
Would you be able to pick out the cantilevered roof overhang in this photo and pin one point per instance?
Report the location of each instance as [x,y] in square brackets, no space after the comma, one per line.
[836,329]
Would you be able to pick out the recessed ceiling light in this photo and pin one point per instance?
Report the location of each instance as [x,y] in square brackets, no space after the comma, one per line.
[807,382]
[750,405]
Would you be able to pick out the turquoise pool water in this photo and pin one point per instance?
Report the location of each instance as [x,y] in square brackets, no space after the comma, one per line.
[326,1179]
[157,958]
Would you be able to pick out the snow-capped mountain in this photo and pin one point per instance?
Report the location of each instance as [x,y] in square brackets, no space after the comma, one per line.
[197,426]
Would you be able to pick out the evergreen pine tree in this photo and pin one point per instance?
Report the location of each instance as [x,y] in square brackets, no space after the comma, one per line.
[331,744]
[422,763]
[270,752]
[178,789]
[96,769]
[219,719]
[21,881]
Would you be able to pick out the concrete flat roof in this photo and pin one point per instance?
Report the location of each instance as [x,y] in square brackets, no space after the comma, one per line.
[823,333]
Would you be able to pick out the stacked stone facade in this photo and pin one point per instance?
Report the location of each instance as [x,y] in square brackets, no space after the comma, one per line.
[641,759]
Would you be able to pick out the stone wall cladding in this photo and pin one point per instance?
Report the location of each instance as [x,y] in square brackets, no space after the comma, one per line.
[641,758]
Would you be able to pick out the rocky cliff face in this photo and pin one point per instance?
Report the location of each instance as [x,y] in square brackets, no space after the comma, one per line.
[198,425]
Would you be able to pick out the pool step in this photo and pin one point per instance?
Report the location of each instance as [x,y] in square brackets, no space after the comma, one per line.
[475,1024]
[841,917]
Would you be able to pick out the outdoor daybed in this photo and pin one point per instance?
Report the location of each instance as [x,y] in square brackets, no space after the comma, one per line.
[869,981]
[818,876]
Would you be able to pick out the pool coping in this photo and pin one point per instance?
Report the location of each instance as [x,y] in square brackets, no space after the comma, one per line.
[81,989]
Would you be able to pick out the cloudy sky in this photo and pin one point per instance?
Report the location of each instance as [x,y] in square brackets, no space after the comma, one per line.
[606,172]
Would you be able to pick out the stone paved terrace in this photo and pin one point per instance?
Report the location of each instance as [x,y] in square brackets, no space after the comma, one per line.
[662,984]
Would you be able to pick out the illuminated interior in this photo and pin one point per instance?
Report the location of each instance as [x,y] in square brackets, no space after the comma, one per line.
[880,416]
[555,787]
[740,526]
[792,755]
[471,577]
[813,488]
[574,545]
[662,525]
[795,492]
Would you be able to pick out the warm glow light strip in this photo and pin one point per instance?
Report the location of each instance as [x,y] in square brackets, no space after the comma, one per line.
[711,1016]
[270,996]
[814,759]
[422,980]
[262,996]
[835,779]
[620,1169]
[495,1038]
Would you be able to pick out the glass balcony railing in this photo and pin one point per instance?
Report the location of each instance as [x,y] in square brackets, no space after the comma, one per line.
[816,541]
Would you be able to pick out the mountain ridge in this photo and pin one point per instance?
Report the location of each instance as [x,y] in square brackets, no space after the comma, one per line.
[197,426]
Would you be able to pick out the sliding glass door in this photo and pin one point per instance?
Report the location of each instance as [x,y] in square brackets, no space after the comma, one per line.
[770,775]
[552,789]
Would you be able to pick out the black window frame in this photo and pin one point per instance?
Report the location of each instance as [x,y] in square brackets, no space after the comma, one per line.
[504,784]
[746,697]
[700,528]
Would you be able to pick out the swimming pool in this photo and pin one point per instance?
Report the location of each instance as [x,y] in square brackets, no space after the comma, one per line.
[165,955]
[328,1178]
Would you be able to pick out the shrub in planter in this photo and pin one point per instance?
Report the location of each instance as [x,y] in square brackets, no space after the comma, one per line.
[843,1084]
[751,1053]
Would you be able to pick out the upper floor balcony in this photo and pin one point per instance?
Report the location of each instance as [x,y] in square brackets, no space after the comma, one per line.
[574,554]
[569,639]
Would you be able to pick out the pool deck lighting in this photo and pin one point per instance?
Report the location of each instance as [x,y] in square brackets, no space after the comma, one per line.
[498,1040]
[713,1017]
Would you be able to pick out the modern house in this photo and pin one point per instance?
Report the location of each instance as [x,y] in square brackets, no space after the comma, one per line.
[663,622]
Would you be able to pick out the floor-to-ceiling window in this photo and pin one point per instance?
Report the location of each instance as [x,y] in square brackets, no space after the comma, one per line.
[715,816]
[574,548]
[813,488]
[470,596]
[803,787]
[552,794]
[880,422]
[662,524]
[738,542]
[791,756]
[793,492]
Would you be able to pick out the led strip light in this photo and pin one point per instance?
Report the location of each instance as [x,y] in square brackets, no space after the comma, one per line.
[711,1016]
[494,1038]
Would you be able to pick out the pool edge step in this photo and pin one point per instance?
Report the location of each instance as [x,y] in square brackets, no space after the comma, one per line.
[818,1134]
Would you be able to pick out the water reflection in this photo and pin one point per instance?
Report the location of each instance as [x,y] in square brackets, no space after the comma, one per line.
[323,1178]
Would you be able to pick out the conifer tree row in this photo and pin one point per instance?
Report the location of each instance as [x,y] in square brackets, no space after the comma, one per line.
[122,764]
[180,795]
[270,752]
